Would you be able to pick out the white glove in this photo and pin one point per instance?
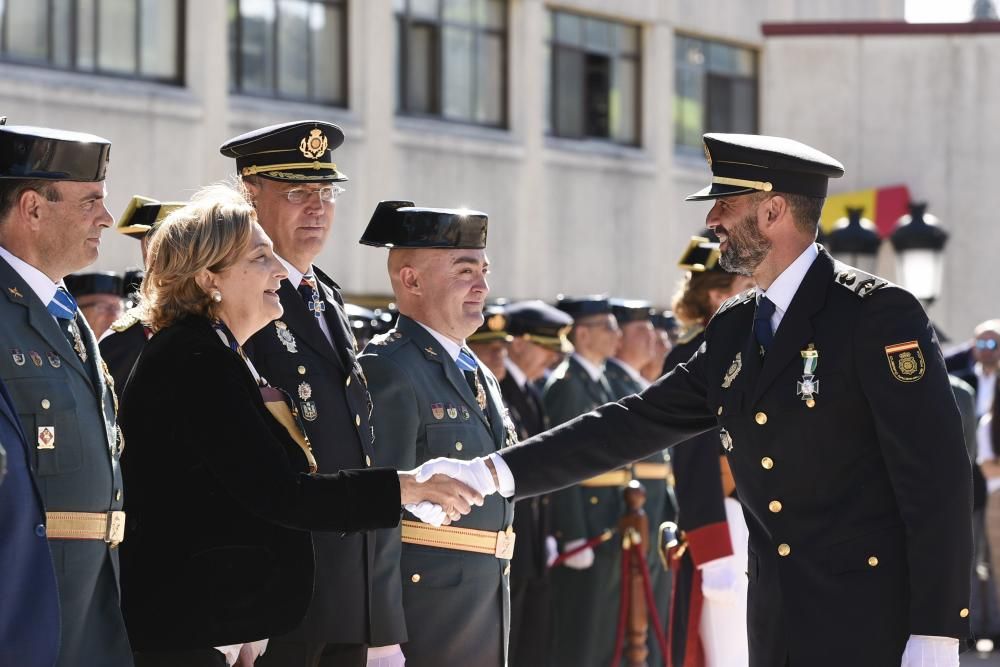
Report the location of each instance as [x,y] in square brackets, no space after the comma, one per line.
[474,473]
[551,550]
[386,656]
[427,512]
[719,580]
[582,560]
[929,651]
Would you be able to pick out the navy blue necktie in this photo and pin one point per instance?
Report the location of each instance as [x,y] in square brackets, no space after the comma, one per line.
[762,323]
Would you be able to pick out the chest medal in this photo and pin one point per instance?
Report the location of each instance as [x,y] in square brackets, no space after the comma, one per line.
[808,386]
[734,370]
[285,336]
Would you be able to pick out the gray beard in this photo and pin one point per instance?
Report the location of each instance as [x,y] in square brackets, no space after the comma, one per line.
[744,256]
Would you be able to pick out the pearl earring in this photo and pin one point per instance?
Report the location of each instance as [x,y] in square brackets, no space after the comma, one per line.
[217,296]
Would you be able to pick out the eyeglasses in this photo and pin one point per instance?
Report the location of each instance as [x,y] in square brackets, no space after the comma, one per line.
[986,344]
[328,193]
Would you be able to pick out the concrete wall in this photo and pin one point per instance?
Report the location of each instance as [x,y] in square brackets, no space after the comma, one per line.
[913,109]
[567,216]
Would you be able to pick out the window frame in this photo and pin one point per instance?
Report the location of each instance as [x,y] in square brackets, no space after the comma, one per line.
[178,79]
[706,73]
[236,66]
[552,103]
[404,19]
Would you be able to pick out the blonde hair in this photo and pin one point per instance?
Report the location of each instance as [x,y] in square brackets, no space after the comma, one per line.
[692,303]
[209,232]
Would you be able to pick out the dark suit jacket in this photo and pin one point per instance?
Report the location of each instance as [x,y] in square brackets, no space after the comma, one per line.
[121,348]
[327,384]
[29,601]
[52,388]
[873,481]
[217,549]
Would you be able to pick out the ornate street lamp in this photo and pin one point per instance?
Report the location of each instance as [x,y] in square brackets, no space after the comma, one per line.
[919,242]
[855,240]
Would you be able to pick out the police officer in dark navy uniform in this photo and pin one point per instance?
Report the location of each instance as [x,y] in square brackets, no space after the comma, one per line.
[709,580]
[121,347]
[585,586]
[434,398]
[539,340]
[833,404]
[624,372]
[52,214]
[310,353]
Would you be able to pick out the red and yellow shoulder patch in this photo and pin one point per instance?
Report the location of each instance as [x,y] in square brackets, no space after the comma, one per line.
[906,361]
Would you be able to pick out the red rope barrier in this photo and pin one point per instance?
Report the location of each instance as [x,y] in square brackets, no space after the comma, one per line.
[616,657]
[647,589]
[650,603]
[589,544]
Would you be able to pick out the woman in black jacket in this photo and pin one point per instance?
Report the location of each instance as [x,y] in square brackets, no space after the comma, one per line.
[220,490]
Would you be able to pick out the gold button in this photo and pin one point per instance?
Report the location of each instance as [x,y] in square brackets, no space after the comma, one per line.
[964,613]
[767,463]
[302,370]
[368,461]
[415,578]
[760,418]
[774,506]
[594,500]
[118,494]
[506,570]
[872,561]
[357,420]
[347,383]
[458,446]
[45,404]
[784,549]
[810,403]
[719,411]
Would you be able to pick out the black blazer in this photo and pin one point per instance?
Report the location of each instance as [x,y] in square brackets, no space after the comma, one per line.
[217,549]
[859,507]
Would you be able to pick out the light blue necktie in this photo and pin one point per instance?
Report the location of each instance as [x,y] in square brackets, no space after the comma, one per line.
[466,362]
[62,305]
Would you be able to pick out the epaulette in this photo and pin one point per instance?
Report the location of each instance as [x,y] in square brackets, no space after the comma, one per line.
[690,334]
[128,319]
[858,282]
[390,337]
[560,372]
[737,300]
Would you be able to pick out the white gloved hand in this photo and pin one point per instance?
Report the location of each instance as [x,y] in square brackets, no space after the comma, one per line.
[582,560]
[928,651]
[551,550]
[427,512]
[719,580]
[386,656]
[474,473]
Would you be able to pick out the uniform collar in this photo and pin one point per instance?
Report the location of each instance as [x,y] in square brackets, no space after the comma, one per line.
[595,372]
[294,275]
[39,283]
[450,346]
[631,372]
[516,373]
[783,289]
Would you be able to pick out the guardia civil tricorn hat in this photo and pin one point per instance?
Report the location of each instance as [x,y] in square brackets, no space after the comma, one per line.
[300,151]
[745,163]
[400,224]
[53,155]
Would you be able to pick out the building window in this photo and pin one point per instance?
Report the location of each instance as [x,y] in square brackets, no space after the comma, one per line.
[715,90]
[289,49]
[593,78]
[131,38]
[452,59]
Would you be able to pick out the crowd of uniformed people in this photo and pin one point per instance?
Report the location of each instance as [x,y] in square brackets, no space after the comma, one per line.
[202,456]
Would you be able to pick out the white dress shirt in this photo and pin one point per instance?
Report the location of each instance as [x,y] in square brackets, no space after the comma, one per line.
[783,289]
[450,346]
[595,372]
[514,371]
[986,384]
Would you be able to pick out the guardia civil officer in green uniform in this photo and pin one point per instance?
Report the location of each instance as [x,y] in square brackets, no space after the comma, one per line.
[585,586]
[433,398]
[52,214]
[121,347]
[833,403]
[291,178]
[636,348]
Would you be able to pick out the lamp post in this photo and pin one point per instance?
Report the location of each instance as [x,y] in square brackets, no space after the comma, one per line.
[919,242]
[855,240]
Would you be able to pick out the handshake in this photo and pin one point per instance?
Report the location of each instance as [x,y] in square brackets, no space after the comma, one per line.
[444,490]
